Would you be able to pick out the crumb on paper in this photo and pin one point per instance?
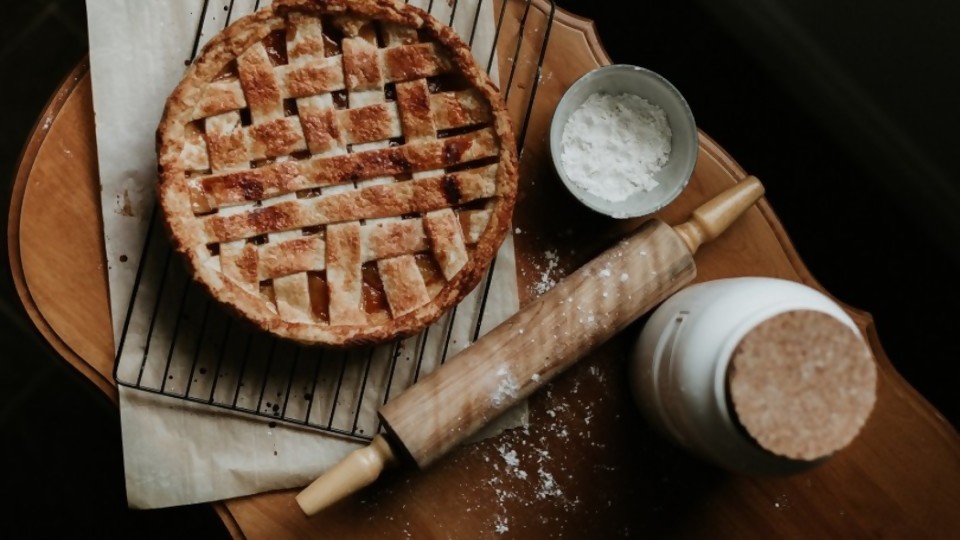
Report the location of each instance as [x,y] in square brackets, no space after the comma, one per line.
[124,206]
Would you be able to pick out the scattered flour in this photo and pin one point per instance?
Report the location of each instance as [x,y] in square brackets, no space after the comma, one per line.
[547,279]
[548,486]
[595,371]
[509,457]
[512,462]
[614,144]
[506,390]
[524,473]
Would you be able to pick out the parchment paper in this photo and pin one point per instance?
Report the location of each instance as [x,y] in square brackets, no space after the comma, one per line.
[180,452]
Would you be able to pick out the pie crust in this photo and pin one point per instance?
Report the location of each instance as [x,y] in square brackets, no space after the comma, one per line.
[337,172]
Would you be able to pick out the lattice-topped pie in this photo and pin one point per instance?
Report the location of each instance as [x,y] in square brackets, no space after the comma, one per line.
[337,172]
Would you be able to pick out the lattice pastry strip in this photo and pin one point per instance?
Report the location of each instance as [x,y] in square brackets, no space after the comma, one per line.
[379,201]
[194,154]
[361,64]
[226,148]
[291,293]
[227,151]
[304,43]
[318,116]
[292,296]
[344,274]
[446,238]
[423,154]
[398,64]
[330,168]
[378,240]
[239,261]
[365,91]
[320,127]
[416,111]
[282,136]
[260,85]
[365,95]
[403,284]
[454,110]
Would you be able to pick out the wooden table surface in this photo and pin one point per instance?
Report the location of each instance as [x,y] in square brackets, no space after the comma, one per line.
[587,466]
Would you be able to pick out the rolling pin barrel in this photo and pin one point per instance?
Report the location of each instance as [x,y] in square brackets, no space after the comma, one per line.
[546,337]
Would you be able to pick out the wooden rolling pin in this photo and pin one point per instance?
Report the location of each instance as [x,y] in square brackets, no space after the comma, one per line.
[524,352]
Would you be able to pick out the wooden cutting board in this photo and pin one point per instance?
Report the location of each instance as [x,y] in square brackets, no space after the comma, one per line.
[587,466]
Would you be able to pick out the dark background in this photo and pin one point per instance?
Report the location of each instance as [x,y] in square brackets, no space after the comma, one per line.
[845,110]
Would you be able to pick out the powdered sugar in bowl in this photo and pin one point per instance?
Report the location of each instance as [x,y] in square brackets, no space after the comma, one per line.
[623,141]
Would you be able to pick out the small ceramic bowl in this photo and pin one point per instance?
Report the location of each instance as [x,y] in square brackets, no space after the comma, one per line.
[626,79]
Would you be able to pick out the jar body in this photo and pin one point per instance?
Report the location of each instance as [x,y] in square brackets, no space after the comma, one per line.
[679,364]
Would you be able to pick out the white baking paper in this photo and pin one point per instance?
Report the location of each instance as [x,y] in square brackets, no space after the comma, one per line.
[173,339]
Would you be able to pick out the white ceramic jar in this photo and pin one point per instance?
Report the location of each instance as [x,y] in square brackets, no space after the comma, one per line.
[679,364]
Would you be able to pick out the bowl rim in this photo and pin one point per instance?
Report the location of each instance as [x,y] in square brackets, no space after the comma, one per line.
[555,152]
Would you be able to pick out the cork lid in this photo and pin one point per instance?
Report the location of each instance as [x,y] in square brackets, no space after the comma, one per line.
[802,384]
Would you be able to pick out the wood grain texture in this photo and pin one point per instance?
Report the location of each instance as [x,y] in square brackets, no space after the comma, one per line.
[587,466]
[54,234]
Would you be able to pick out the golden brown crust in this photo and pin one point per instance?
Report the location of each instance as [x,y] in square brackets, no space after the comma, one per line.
[201,95]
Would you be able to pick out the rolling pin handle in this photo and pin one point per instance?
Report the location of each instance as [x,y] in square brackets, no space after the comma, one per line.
[356,471]
[716,215]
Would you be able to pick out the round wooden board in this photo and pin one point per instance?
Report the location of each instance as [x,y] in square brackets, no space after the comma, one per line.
[587,466]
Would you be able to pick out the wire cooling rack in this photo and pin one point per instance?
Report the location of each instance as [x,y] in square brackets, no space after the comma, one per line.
[177,342]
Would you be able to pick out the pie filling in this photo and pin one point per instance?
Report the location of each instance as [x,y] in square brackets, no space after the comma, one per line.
[342,169]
